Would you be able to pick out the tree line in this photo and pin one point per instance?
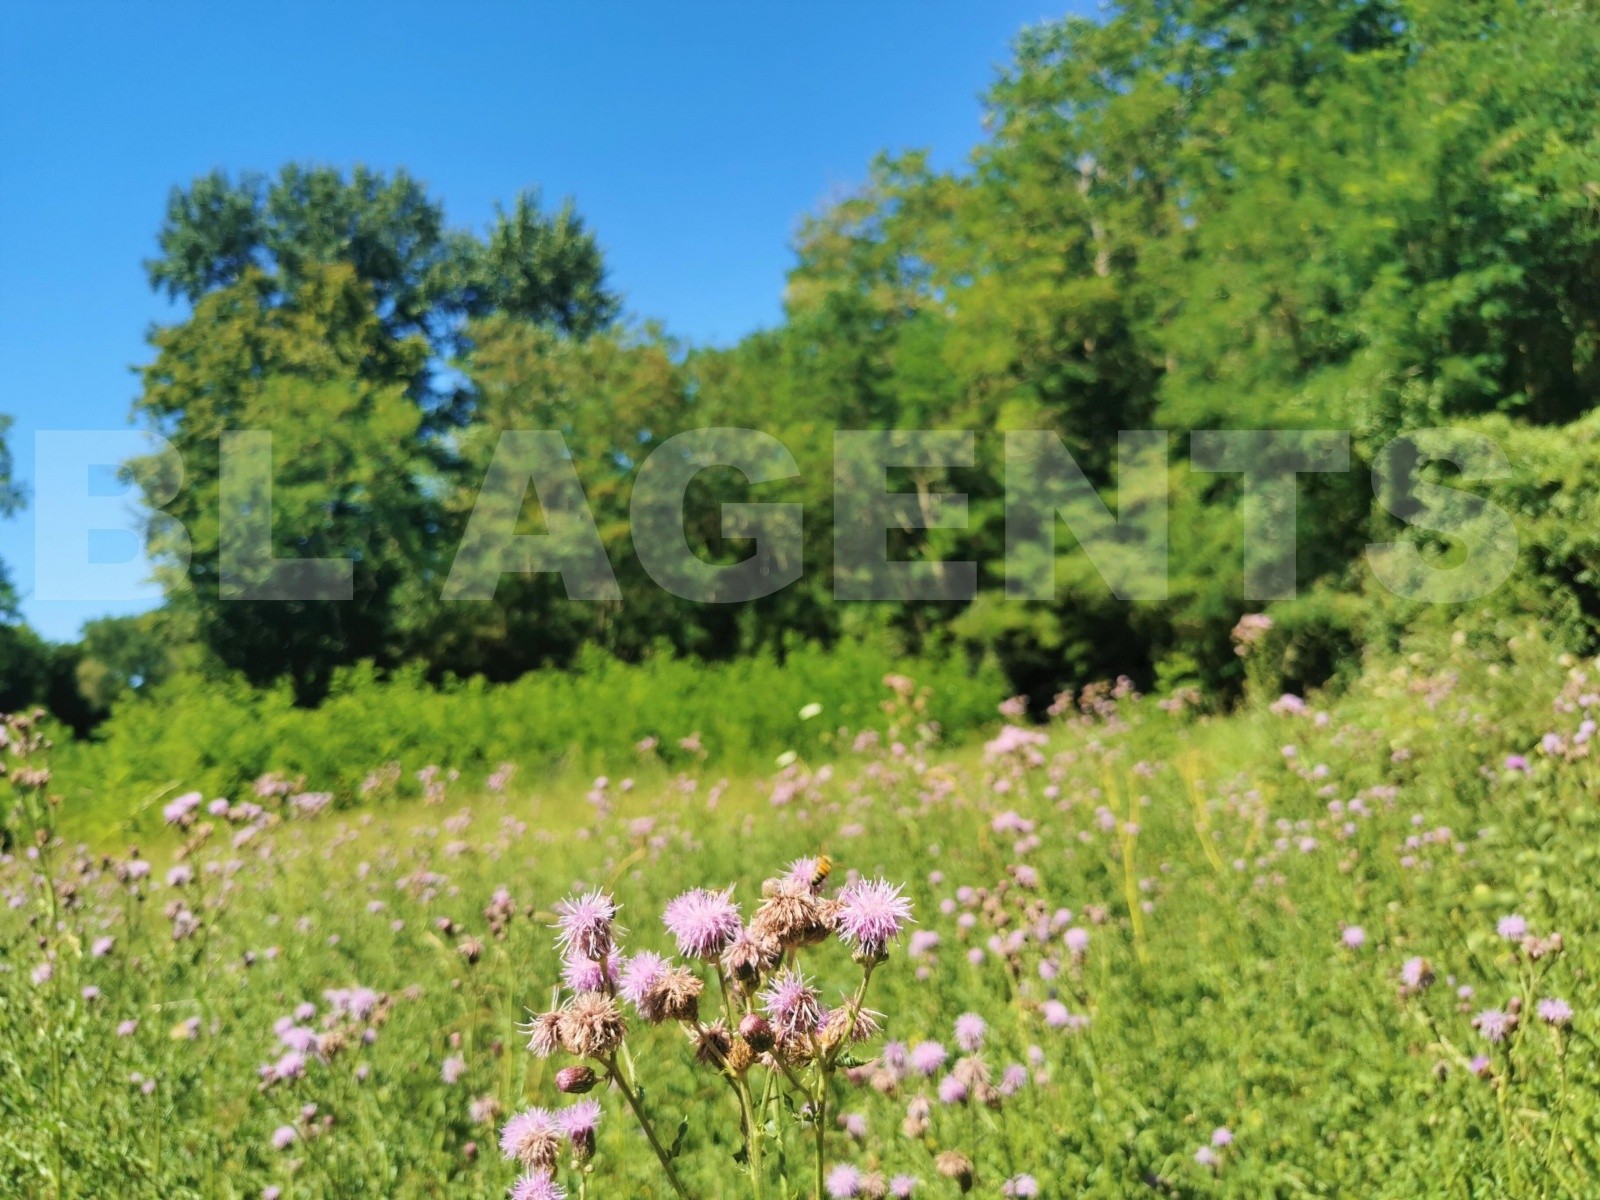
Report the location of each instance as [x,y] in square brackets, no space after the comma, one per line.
[1368,215]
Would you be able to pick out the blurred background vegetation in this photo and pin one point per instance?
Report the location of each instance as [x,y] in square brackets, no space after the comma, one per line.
[1373,215]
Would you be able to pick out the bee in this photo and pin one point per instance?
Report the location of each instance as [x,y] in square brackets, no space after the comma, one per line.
[820,872]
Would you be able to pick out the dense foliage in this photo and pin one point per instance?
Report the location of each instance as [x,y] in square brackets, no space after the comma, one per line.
[1366,215]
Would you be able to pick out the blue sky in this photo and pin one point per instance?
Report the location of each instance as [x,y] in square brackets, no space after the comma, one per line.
[692,136]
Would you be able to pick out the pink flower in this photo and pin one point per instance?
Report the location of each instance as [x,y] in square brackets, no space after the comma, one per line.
[871,915]
[704,922]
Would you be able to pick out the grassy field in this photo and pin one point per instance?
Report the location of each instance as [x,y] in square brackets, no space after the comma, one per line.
[1306,949]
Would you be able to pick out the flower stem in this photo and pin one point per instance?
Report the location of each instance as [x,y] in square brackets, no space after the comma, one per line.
[649,1129]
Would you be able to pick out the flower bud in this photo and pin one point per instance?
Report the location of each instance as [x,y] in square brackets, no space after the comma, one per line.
[756,1030]
[957,1166]
[574,1081]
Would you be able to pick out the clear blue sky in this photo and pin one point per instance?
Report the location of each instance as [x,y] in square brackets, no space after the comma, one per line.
[693,137]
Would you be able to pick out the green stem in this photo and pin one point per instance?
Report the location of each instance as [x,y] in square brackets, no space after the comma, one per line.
[644,1123]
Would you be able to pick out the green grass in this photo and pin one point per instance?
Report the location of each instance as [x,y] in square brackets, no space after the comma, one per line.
[1216,985]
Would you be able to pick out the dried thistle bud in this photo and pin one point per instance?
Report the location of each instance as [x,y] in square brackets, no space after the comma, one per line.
[956,1166]
[544,1034]
[674,996]
[470,949]
[874,1186]
[712,1045]
[591,1026]
[756,1030]
[741,1057]
[574,1081]
[751,955]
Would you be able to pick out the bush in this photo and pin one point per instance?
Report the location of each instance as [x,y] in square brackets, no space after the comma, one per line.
[218,736]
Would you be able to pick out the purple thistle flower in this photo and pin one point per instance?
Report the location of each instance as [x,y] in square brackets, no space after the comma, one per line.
[586,924]
[901,1186]
[453,1069]
[843,1182]
[1221,1136]
[792,1005]
[537,1186]
[926,1058]
[1021,1186]
[283,1137]
[1354,937]
[1077,941]
[641,973]
[1494,1024]
[586,974]
[970,1029]
[872,913]
[531,1136]
[1207,1157]
[1013,1079]
[704,922]
[579,1121]
[1555,1011]
[952,1091]
[1512,928]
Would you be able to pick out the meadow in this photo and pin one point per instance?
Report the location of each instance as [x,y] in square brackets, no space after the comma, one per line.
[1337,946]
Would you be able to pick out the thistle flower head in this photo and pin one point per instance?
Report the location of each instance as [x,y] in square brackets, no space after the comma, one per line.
[792,1005]
[579,1122]
[534,1138]
[537,1185]
[640,974]
[591,1026]
[843,1182]
[871,914]
[586,924]
[705,923]
[544,1034]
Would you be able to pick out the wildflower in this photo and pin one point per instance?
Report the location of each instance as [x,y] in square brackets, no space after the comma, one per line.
[1207,1157]
[127,1029]
[901,1186]
[952,1091]
[579,1122]
[926,1058]
[453,1069]
[843,1182]
[871,914]
[792,1005]
[586,974]
[752,954]
[1415,976]
[854,1125]
[1076,940]
[957,1166]
[673,996]
[757,1031]
[283,1137]
[1020,1185]
[1555,1012]
[970,1030]
[533,1138]
[591,1026]
[705,923]
[1013,1079]
[181,811]
[1512,928]
[1494,1024]
[544,1034]
[574,1081]
[102,946]
[793,916]
[1354,937]
[1221,1136]
[586,924]
[537,1185]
